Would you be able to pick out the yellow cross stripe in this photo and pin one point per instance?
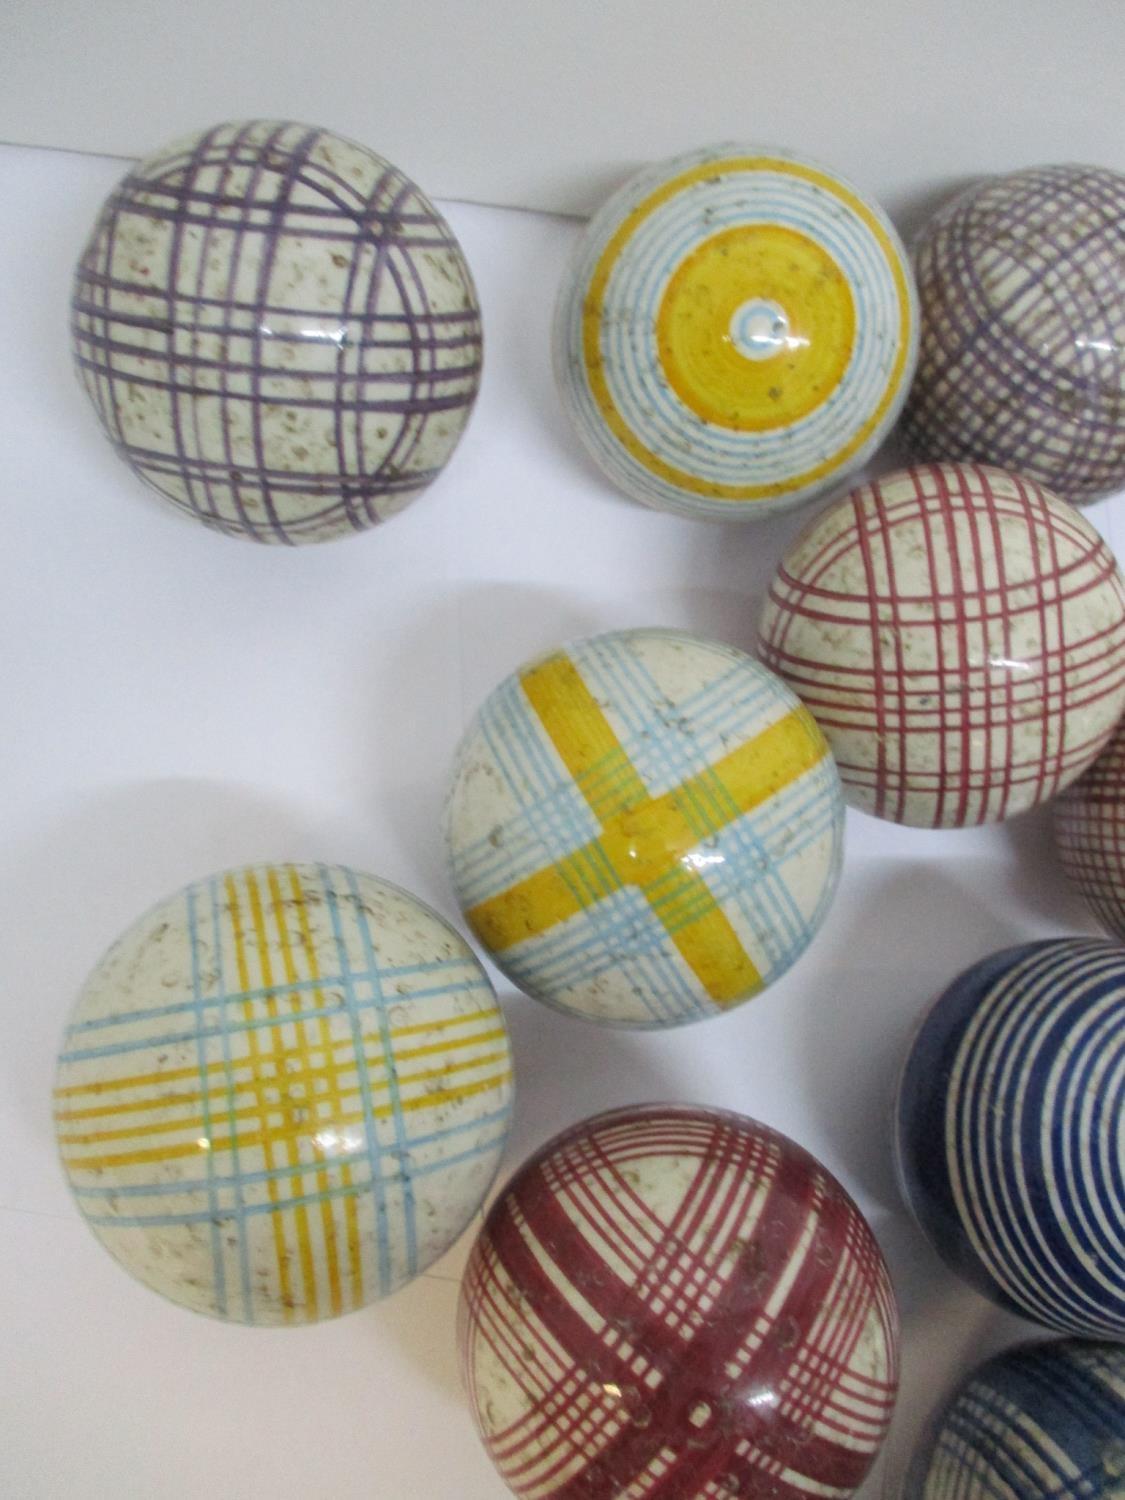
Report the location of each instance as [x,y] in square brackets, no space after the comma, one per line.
[168,1075]
[647,842]
[582,735]
[234,1087]
[300,1128]
[258,1138]
[280,1249]
[351,1221]
[328,1074]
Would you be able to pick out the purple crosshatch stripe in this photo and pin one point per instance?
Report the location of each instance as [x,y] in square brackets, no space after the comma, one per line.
[1010,382]
[401,364]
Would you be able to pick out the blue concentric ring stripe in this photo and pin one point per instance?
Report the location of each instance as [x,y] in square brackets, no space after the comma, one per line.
[637,282]
[1011,1131]
[1042,1421]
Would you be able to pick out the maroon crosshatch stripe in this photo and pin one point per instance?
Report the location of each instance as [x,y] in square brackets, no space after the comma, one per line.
[1033,381]
[1089,823]
[751,1200]
[131,335]
[959,513]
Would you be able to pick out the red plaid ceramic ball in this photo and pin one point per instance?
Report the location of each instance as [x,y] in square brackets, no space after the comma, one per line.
[677,1303]
[1090,834]
[959,634]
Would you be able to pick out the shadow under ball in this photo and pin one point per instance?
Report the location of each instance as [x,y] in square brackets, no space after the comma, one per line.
[278,331]
[1021,286]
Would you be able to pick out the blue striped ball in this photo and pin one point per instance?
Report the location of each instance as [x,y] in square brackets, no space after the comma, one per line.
[1042,1420]
[1011,1131]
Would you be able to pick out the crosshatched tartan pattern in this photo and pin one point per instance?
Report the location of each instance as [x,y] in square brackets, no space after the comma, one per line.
[736,334]
[959,634]
[283,1093]
[1041,1422]
[1022,357]
[278,331]
[644,827]
[1011,1131]
[1090,834]
[676,1303]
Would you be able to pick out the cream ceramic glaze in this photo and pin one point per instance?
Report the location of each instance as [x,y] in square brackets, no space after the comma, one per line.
[959,634]
[283,1093]
[644,828]
[736,333]
[676,1303]
[278,331]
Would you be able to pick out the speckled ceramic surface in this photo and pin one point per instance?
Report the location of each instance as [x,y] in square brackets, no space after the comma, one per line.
[736,333]
[959,634]
[1041,1422]
[1090,834]
[1011,1131]
[278,331]
[677,1303]
[644,828]
[1021,283]
[283,1093]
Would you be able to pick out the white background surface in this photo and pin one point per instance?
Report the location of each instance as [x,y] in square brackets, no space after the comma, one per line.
[176,702]
[546,104]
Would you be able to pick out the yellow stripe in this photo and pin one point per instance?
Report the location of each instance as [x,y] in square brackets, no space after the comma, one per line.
[327,1206]
[297,1130]
[593,310]
[280,1248]
[646,844]
[582,735]
[260,1138]
[351,1221]
[221,1090]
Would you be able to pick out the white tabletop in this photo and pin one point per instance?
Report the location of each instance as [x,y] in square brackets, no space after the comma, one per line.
[178,702]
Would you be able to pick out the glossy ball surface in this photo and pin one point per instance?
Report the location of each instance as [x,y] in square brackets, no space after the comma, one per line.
[1011,1131]
[278,331]
[672,1302]
[283,1093]
[736,334]
[1090,834]
[959,633]
[1022,357]
[644,828]
[1041,1422]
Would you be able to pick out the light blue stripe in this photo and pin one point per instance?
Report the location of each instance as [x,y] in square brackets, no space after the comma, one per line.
[269,992]
[392,1077]
[374,1150]
[259,1023]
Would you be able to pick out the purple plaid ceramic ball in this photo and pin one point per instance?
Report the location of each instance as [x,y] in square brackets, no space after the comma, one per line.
[278,331]
[1021,281]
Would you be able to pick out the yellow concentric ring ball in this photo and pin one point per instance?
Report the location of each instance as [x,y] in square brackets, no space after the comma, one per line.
[736,334]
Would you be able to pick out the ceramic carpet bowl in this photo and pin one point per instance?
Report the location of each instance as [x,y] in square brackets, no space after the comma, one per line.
[284,1092]
[671,1302]
[644,828]
[1011,1131]
[1022,356]
[278,331]
[736,334]
[1042,1422]
[959,634]
[1090,834]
